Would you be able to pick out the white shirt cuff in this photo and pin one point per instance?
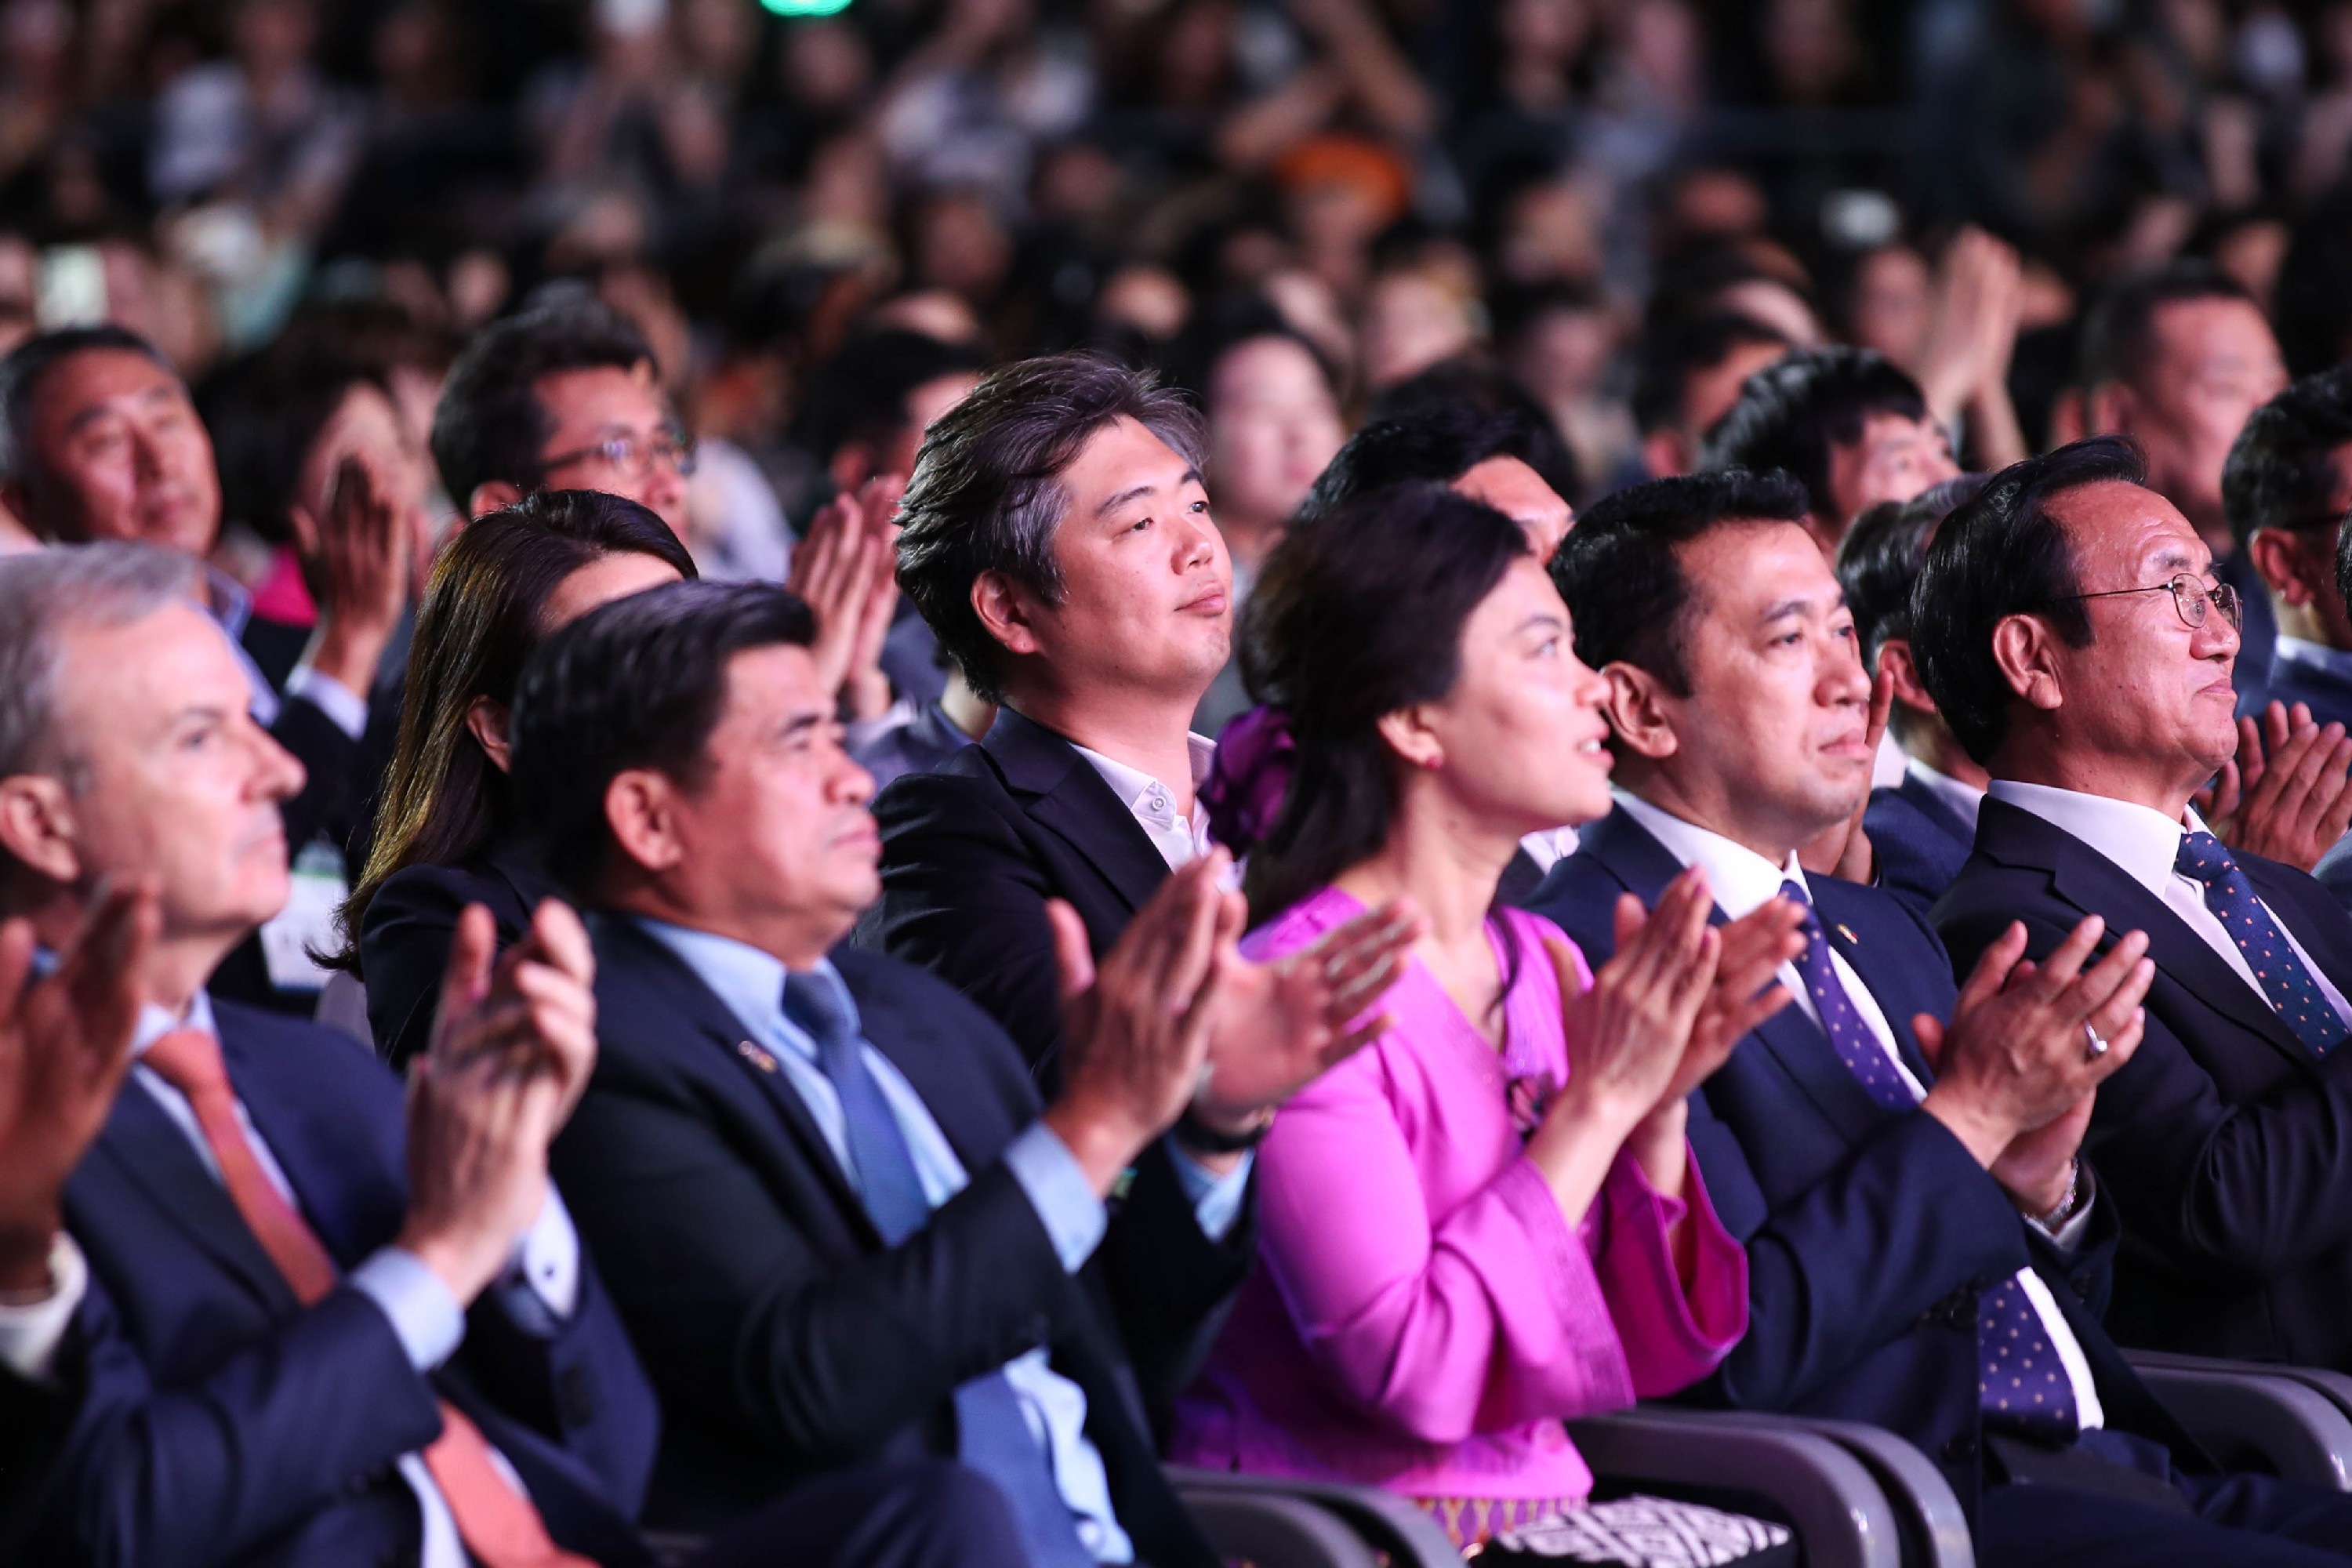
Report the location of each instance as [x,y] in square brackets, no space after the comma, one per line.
[860,734]
[1217,1199]
[1058,1190]
[428,1320]
[2068,1237]
[541,1284]
[31,1332]
[345,708]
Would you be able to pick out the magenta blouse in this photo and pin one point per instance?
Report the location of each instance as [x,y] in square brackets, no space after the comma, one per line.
[1422,1317]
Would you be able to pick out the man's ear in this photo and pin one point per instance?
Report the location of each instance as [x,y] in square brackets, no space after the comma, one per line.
[2026,650]
[1896,663]
[1638,713]
[2109,405]
[20,506]
[490,496]
[640,812]
[487,722]
[36,826]
[1663,455]
[2272,550]
[1006,612]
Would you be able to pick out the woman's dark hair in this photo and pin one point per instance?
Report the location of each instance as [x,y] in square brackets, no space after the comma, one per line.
[1324,641]
[481,616]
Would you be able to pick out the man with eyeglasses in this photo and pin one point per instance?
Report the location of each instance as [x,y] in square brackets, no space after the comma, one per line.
[562,396]
[2070,627]
[2286,488]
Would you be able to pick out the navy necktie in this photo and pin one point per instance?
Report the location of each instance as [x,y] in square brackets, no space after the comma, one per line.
[2021,1384]
[992,1435]
[2286,984]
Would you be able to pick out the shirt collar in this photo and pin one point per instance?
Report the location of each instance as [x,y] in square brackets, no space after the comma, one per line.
[155,1023]
[750,983]
[1967,801]
[230,604]
[1150,800]
[2146,844]
[1741,880]
[2318,655]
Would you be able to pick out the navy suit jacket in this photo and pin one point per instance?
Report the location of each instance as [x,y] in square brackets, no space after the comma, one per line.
[2227,1145]
[406,934]
[1918,842]
[785,1337]
[2327,695]
[971,851]
[226,1423]
[1871,1233]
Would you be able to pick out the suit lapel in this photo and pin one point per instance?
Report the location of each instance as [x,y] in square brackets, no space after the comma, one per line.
[338,1183]
[1062,792]
[1889,984]
[151,1149]
[1804,1053]
[2092,883]
[2292,896]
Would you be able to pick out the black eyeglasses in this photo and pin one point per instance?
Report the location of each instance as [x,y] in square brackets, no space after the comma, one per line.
[2190,597]
[632,454]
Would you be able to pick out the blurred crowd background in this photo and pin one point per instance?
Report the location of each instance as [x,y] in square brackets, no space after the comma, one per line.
[1612,209]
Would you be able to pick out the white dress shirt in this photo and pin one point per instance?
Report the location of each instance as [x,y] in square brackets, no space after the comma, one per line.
[1180,839]
[1743,882]
[2145,845]
[31,1332]
[1549,848]
[1966,801]
[540,1289]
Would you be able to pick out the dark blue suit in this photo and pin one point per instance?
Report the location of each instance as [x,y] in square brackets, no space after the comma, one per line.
[404,935]
[1919,841]
[2327,694]
[1870,1234]
[226,1423]
[786,1339]
[2227,1143]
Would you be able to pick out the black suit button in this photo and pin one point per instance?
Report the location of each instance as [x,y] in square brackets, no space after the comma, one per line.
[2082,1283]
[575,1397]
[1961,1450]
[1960,1312]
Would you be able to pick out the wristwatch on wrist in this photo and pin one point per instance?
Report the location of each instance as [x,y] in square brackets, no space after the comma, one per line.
[2068,1206]
[1202,1138]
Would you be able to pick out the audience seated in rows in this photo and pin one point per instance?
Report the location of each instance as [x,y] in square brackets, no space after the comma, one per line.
[1487,1221]
[449,836]
[1925,1251]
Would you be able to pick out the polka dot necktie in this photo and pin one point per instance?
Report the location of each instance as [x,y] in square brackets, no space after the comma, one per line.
[2021,1383]
[2286,984]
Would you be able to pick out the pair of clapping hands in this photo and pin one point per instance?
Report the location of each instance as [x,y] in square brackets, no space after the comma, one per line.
[512,1050]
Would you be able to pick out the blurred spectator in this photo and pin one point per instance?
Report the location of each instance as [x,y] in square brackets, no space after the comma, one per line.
[2287,488]
[1690,374]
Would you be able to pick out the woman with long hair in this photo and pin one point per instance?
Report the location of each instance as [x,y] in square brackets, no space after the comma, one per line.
[1487,1221]
[444,834]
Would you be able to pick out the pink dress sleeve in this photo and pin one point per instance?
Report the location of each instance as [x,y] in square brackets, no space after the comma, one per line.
[1493,1317]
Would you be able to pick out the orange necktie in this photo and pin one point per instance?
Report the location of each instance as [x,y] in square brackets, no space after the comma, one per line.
[498,1523]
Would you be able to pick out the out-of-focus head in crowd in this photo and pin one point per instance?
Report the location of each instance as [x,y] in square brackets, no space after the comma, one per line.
[103,443]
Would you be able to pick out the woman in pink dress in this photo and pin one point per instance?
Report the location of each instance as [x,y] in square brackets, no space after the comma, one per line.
[1486,1222]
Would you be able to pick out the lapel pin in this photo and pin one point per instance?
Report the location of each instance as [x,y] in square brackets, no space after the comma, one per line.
[1846,931]
[755,1056]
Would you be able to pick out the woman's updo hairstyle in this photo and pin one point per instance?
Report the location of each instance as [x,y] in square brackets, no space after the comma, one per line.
[1357,614]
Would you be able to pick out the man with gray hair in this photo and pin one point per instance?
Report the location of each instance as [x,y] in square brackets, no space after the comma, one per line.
[1056,537]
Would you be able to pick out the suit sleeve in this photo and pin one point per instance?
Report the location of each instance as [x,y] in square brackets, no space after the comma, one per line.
[330,760]
[1170,1284]
[962,897]
[403,951]
[201,1473]
[743,1319]
[34,1420]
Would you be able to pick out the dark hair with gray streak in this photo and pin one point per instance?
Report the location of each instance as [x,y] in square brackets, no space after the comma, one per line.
[42,594]
[986,494]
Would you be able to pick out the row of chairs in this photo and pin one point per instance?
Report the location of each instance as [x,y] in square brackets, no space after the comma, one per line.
[1857,1495]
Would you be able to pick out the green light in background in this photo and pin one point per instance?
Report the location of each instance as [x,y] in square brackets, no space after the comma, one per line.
[806,7]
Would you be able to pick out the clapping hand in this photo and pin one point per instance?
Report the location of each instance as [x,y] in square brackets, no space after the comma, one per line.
[846,571]
[2288,796]
[356,558]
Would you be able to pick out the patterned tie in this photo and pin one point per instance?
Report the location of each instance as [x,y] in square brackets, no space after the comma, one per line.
[2021,1381]
[499,1525]
[992,1435]
[2286,984]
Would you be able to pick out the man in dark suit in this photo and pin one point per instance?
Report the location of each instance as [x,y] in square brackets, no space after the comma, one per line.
[2076,641]
[1919,828]
[2285,490]
[1092,599]
[318,1328]
[837,1220]
[1924,1253]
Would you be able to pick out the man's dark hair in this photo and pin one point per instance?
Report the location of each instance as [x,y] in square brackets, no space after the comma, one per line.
[265,415]
[986,494]
[488,424]
[638,683]
[1791,413]
[2281,472]
[860,394]
[1470,387]
[1439,445]
[2004,555]
[21,374]
[1680,348]
[1879,559]
[2119,333]
[1620,575]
